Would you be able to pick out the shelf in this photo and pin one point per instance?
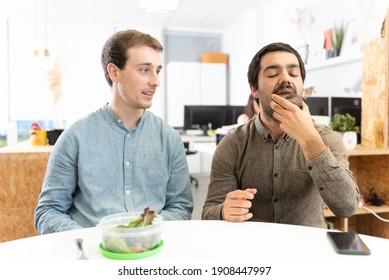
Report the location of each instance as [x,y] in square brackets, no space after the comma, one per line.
[25,147]
[360,211]
[332,62]
[343,223]
[367,151]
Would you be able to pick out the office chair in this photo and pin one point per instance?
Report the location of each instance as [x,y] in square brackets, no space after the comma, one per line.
[188,152]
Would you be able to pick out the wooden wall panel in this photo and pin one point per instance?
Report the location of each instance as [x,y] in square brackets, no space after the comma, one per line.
[372,172]
[21,177]
[374,95]
[370,225]
[375,90]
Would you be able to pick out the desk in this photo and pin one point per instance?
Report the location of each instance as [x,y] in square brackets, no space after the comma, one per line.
[201,162]
[206,148]
[205,240]
[22,169]
[198,138]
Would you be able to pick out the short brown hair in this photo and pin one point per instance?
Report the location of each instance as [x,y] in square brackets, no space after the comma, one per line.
[115,48]
[255,64]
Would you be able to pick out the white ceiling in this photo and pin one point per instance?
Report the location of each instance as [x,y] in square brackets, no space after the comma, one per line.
[199,14]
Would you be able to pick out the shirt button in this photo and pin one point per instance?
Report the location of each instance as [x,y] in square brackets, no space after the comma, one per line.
[275,200]
[276,147]
[127,163]
[127,191]
[310,167]
[275,175]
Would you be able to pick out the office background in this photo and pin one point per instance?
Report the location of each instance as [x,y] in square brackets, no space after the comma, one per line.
[74,33]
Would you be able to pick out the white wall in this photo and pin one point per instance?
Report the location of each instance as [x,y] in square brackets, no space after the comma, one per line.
[3,77]
[240,43]
[280,27]
[78,46]
[336,77]
[330,80]
[272,24]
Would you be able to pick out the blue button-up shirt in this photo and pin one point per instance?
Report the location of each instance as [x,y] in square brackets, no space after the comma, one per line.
[98,168]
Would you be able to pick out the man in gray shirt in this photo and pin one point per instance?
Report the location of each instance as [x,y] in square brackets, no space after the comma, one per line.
[282,166]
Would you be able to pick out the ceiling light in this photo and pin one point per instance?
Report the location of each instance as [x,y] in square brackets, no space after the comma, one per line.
[159,6]
[42,59]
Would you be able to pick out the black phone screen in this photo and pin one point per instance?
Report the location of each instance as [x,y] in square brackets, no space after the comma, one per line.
[348,243]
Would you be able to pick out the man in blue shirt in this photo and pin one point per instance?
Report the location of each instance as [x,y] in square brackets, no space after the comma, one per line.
[120,158]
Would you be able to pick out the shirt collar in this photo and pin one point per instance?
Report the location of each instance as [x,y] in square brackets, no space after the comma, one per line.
[265,132]
[111,116]
[117,121]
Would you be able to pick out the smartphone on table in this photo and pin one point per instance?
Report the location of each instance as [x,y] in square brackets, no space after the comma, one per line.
[348,243]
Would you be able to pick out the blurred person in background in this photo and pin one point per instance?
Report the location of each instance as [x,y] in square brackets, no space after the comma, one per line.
[250,110]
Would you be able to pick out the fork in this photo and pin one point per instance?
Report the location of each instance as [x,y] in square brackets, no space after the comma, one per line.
[78,242]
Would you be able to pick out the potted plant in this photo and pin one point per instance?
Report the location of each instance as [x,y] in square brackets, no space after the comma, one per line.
[337,39]
[345,124]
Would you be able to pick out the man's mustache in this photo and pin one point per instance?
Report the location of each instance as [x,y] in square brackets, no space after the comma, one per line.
[285,86]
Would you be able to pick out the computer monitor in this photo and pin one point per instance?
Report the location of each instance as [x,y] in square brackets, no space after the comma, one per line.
[199,116]
[350,105]
[233,112]
[318,106]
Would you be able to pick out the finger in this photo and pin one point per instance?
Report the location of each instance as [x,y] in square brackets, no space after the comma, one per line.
[237,211]
[282,102]
[235,207]
[240,194]
[251,190]
[239,218]
[275,106]
[290,103]
[305,108]
[304,105]
[279,111]
[238,203]
[233,213]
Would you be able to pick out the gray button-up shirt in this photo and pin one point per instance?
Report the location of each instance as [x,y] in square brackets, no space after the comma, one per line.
[98,168]
[290,189]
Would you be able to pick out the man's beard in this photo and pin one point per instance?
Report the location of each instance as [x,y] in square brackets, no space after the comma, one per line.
[265,104]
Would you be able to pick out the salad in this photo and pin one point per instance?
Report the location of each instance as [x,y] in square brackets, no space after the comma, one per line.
[140,234]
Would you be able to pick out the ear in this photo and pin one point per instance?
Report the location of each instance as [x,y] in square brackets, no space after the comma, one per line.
[254,92]
[113,72]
